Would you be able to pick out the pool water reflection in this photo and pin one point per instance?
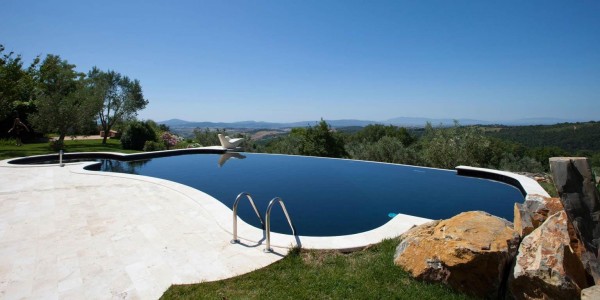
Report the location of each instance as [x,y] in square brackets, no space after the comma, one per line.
[327,197]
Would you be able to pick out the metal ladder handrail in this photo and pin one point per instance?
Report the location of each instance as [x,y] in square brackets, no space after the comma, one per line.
[268,221]
[235,207]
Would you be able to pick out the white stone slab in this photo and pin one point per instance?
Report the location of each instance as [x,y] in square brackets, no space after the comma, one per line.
[66,234]
[530,186]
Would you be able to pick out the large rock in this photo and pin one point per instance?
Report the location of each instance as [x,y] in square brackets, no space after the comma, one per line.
[533,212]
[546,266]
[575,184]
[470,252]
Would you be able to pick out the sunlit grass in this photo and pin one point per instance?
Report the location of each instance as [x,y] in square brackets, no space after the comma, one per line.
[9,149]
[310,274]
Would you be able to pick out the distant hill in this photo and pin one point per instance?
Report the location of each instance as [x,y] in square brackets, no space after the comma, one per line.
[177,123]
[400,121]
[541,121]
[420,122]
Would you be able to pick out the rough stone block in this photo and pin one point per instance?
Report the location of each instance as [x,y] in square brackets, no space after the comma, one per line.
[546,266]
[575,184]
[469,252]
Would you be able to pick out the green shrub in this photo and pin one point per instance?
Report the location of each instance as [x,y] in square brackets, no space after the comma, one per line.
[285,145]
[373,133]
[453,146]
[136,134]
[524,164]
[387,149]
[208,137]
[319,140]
[153,146]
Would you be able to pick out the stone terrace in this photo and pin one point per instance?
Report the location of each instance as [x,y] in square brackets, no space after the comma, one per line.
[70,234]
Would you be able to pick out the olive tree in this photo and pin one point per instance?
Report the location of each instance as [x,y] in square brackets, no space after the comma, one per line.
[457,145]
[319,140]
[63,103]
[120,96]
[387,149]
[16,83]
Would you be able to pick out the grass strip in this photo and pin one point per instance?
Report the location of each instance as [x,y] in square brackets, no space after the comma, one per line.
[8,149]
[312,274]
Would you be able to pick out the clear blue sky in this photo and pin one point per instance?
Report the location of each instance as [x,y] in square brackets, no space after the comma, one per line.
[303,60]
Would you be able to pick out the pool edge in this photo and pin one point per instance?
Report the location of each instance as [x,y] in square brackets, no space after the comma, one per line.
[526,185]
[252,236]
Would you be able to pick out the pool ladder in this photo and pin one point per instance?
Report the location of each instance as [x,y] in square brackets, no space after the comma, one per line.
[266,226]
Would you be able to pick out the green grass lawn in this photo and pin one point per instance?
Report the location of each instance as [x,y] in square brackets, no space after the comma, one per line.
[8,149]
[310,274]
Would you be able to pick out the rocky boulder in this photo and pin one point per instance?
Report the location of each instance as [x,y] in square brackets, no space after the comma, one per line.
[470,252]
[536,209]
[533,212]
[575,184]
[546,266]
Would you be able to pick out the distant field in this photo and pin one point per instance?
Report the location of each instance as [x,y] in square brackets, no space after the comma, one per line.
[266,134]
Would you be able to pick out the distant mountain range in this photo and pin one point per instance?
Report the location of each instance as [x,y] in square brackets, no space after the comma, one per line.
[401,121]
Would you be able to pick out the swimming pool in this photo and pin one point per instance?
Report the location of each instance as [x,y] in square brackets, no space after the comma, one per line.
[327,197]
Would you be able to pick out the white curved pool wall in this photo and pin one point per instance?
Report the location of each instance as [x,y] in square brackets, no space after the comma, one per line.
[528,186]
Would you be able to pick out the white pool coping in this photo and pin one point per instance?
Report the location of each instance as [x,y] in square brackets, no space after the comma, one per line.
[530,186]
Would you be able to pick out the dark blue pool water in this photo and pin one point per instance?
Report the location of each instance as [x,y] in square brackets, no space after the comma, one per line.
[327,197]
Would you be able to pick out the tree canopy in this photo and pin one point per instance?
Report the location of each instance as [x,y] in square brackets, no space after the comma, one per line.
[319,140]
[63,104]
[373,133]
[54,98]
[120,96]
[137,133]
[439,147]
[16,83]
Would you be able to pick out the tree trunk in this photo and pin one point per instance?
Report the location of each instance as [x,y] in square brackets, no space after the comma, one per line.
[61,139]
[106,133]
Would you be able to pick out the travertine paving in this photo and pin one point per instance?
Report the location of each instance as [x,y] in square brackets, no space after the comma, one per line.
[72,234]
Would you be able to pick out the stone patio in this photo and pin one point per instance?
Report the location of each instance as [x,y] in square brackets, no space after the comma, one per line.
[66,235]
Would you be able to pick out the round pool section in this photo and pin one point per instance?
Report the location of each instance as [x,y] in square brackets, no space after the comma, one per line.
[327,197]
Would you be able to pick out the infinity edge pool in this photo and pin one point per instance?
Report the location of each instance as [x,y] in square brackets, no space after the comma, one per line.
[251,236]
